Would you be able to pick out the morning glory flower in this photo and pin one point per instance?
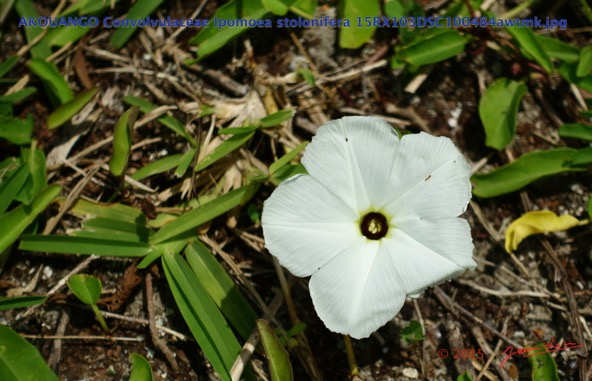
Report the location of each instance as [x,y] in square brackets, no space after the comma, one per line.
[373,221]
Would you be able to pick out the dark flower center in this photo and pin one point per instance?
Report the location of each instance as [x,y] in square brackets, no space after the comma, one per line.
[374,226]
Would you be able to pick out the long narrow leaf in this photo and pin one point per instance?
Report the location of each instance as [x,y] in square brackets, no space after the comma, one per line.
[228,146]
[7,303]
[221,288]
[522,172]
[166,120]
[82,245]
[66,111]
[13,223]
[205,321]
[19,360]
[279,361]
[52,77]
[196,217]
[122,141]
[138,11]
[12,185]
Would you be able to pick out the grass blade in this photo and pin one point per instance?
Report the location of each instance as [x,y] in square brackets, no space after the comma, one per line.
[199,216]
[8,303]
[51,76]
[140,10]
[61,244]
[13,223]
[66,111]
[221,288]
[205,321]
[122,141]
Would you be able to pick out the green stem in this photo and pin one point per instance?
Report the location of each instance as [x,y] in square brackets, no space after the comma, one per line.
[100,317]
[515,11]
[351,357]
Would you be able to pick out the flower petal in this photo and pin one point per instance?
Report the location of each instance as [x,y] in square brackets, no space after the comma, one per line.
[430,179]
[416,266]
[357,292]
[449,237]
[352,157]
[305,225]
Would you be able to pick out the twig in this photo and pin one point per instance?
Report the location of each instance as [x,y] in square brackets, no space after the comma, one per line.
[56,354]
[454,307]
[158,343]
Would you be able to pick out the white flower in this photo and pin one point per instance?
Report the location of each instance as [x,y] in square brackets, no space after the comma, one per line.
[375,219]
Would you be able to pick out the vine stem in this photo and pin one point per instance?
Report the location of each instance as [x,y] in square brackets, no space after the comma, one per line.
[351,357]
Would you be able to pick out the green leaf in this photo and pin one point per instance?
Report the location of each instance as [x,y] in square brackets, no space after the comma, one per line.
[221,288]
[228,146]
[122,141]
[354,36]
[87,288]
[186,160]
[543,365]
[7,64]
[273,168]
[568,72]
[576,130]
[590,206]
[277,118]
[529,44]
[7,303]
[66,111]
[277,7]
[433,48]
[15,130]
[585,64]
[199,216]
[13,223]
[50,75]
[116,230]
[11,186]
[308,76]
[35,158]
[558,49]
[304,8]
[464,377]
[88,209]
[212,38]
[18,96]
[83,245]
[280,367]
[141,370]
[19,360]
[166,120]
[521,172]
[140,10]
[206,323]
[286,172]
[582,158]
[41,49]
[159,166]
[498,108]
[413,332]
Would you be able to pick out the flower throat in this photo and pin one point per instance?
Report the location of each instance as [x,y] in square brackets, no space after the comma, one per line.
[374,226]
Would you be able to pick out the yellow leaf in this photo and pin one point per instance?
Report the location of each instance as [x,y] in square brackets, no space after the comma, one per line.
[536,222]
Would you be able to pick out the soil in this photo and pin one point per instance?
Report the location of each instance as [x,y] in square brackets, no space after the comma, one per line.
[522,298]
